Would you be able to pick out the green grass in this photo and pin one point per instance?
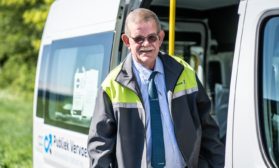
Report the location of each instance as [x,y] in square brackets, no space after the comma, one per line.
[15,131]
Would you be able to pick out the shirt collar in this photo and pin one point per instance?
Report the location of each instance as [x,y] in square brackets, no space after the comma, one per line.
[144,73]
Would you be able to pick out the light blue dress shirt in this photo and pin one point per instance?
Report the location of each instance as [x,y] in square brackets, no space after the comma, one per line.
[173,157]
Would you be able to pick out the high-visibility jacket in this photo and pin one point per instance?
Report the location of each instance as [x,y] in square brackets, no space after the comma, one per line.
[117,135]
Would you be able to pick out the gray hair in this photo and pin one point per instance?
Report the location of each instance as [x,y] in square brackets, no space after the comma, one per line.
[141,15]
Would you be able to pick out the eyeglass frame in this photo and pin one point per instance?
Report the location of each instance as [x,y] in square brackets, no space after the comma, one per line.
[146,38]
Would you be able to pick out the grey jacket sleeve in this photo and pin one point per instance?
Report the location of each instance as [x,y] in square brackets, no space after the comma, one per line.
[102,133]
[212,151]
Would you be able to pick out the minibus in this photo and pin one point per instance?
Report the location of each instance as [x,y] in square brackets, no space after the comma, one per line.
[233,45]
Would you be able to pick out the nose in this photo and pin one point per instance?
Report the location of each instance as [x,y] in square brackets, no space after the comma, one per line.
[145,42]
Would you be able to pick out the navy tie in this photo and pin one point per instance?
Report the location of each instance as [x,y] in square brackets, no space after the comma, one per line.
[158,149]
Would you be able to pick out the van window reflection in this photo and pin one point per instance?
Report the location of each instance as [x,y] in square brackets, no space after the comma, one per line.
[76,68]
[270,88]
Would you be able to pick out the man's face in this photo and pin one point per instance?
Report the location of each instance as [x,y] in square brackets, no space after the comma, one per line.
[144,42]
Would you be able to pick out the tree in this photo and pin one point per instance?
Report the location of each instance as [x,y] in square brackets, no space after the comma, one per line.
[21,25]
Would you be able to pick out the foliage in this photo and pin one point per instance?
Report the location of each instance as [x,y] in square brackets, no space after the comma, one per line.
[15,131]
[21,25]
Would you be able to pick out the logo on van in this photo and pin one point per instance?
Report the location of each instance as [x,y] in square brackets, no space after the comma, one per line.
[48,143]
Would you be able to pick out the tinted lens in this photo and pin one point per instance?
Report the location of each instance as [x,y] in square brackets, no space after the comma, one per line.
[139,39]
[150,38]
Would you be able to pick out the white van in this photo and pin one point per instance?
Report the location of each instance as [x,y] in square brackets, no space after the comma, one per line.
[232,44]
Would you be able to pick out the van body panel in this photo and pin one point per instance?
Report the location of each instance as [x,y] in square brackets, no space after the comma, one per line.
[244,148]
[72,18]
[70,21]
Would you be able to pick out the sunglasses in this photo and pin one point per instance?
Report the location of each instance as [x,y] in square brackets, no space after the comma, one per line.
[151,38]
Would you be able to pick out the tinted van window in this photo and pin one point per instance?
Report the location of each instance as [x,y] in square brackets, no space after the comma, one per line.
[269,88]
[42,82]
[75,70]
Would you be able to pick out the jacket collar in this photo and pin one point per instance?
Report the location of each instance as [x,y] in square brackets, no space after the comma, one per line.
[172,70]
[126,77]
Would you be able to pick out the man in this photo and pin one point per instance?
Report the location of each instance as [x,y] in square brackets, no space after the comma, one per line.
[125,131]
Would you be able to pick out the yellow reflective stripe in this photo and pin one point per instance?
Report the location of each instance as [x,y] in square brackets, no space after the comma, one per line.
[128,105]
[108,82]
[116,92]
[187,80]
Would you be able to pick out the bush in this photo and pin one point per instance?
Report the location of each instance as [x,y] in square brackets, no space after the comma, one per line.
[18,76]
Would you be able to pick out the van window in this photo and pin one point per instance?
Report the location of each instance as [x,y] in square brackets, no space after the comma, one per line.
[75,69]
[269,88]
[42,81]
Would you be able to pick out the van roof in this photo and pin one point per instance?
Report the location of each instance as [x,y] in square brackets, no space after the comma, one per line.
[81,16]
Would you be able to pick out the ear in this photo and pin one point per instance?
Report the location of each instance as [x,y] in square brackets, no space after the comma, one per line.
[125,40]
[161,35]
